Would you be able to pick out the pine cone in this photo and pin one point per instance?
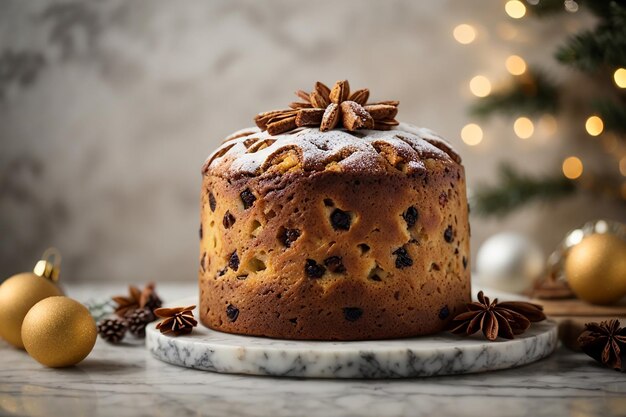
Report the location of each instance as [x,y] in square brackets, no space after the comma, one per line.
[112,330]
[138,320]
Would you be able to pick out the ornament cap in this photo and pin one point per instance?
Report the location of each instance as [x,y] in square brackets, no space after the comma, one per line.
[50,265]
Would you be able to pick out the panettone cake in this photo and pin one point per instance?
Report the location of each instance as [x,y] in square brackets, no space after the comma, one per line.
[332,221]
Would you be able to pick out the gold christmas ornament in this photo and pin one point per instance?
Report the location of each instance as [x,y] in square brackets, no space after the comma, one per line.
[59,332]
[22,291]
[596,268]
[590,263]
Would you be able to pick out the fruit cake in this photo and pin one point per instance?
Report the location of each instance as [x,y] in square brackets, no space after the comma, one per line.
[332,221]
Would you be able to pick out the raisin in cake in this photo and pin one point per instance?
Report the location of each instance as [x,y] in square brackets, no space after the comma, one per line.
[333,235]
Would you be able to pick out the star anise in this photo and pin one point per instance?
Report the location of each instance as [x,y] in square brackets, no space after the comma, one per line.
[137,299]
[606,343]
[331,108]
[505,319]
[177,321]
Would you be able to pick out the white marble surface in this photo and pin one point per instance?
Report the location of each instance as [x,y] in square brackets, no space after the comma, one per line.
[128,381]
[441,354]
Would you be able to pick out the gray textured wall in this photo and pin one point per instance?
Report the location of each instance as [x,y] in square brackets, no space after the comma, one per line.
[109,108]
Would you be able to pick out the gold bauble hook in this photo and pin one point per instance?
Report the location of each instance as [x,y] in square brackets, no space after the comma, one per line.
[50,264]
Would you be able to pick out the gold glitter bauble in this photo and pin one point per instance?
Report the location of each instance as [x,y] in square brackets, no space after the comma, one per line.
[17,295]
[58,332]
[596,268]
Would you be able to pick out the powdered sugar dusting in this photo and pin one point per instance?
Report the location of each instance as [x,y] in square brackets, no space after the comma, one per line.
[250,151]
[432,138]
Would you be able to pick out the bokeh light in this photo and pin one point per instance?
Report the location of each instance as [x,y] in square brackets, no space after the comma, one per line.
[464,34]
[480,86]
[515,9]
[622,166]
[570,6]
[594,125]
[620,77]
[572,167]
[523,127]
[472,134]
[515,65]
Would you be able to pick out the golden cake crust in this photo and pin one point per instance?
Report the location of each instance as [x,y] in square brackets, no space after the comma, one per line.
[333,236]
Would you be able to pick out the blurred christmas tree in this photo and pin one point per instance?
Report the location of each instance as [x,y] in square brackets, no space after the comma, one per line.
[599,54]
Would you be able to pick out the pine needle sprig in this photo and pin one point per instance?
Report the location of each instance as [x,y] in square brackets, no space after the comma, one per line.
[515,189]
[532,94]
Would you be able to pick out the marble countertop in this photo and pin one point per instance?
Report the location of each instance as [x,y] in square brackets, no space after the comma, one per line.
[127,381]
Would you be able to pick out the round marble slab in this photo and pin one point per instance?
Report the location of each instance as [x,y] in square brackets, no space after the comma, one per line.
[442,354]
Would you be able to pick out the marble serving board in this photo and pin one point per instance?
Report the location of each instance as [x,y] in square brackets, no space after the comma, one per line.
[442,354]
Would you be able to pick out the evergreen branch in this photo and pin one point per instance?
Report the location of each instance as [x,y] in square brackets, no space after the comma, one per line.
[582,50]
[604,8]
[531,94]
[546,7]
[100,308]
[612,114]
[603,46]
[592,51]
[600,8]
[515,189]
[589,50]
